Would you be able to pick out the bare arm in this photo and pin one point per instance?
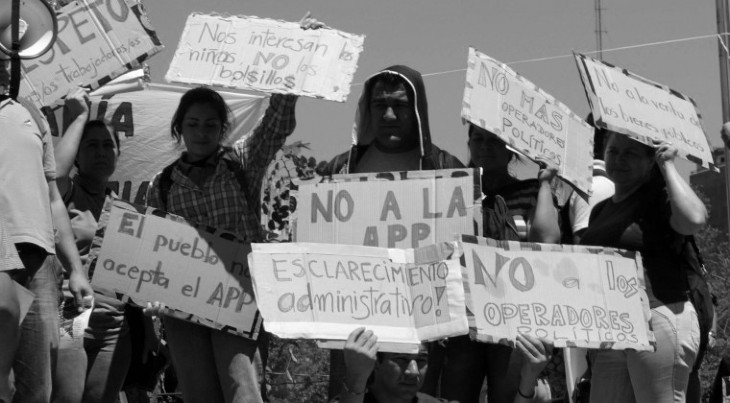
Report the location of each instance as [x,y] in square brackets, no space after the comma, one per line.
[66,248]
[67,147]
[544,223]
[689,214]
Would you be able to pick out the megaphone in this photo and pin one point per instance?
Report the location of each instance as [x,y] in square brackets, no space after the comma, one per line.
[38,28]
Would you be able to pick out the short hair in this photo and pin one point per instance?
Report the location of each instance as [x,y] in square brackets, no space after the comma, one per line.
[513,155]
[199,95]
[391,79]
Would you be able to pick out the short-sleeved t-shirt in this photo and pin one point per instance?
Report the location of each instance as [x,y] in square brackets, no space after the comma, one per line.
[26,166]
[641,223]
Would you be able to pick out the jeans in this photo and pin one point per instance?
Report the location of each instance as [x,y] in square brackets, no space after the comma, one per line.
[657,377]
[36,354]
[212,365]
[93,370]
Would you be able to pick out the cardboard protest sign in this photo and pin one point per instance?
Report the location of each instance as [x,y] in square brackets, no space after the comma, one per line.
[142,122]
[147,255]
[528,119]
[575,296]
[322,291]
[626,103]
[265,55]
[97,41]
[392,209]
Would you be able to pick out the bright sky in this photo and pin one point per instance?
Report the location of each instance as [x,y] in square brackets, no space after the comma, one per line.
[433,36]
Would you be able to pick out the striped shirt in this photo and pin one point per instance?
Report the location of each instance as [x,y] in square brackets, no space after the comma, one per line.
[219,201]
[521,199]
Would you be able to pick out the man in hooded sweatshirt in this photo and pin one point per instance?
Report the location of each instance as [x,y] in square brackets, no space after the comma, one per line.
[390,133]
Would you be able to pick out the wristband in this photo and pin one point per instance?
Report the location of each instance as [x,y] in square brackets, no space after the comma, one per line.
[532,396]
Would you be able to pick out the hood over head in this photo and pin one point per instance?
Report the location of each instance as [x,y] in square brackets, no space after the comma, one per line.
[416,90]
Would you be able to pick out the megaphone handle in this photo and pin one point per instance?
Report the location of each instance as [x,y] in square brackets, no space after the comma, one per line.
[15,57]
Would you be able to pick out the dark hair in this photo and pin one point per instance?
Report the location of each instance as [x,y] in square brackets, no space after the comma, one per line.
[199,95]
[647,149]
[391,79]
[513,155]
[98,123]
[600,138]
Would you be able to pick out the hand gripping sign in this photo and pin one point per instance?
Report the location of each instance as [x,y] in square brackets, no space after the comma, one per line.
[576,296]
[626,103]
[97,41]
[144,255]
[527,118]
[324,291]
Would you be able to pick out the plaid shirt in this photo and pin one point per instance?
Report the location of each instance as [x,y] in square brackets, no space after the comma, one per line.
[220,202]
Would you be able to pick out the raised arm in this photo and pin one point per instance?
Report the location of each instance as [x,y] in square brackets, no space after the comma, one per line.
[258,150]
[543,225]
[535,354]
[689,214]
[77,102]
[360,352]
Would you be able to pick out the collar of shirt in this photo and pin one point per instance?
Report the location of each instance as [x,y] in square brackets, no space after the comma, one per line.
[187,166]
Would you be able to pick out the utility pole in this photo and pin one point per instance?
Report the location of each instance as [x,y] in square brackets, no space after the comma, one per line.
[723,27]
[599,29]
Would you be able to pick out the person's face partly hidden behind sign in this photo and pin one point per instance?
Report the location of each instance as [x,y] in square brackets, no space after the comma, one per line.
[400,375]
[202,131]
[392,117]
[487,151]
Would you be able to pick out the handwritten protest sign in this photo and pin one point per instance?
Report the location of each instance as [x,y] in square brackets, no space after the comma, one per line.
[321,291]
[393,209]
[203,275]
[576,296]
[141,120]
[265,55]
[97,41]
[528,119]
[624,102]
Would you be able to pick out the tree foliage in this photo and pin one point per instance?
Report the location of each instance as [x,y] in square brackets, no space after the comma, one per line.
[715,251]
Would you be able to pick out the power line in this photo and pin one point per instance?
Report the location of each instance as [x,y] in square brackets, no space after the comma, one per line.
[593,52]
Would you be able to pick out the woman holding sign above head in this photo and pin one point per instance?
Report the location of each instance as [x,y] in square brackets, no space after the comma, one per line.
[220,187]
[653,211]
[513,209]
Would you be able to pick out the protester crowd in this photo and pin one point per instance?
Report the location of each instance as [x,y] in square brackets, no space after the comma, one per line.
[49,218]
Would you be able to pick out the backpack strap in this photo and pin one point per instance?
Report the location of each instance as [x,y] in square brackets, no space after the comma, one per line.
[233,166]
[166,183]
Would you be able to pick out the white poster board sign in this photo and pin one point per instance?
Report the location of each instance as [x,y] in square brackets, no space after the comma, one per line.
[391,209]
[626,103]
[266,55]
[528,119]
[573,295]
[148,255]
[97,41]
[324,292]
